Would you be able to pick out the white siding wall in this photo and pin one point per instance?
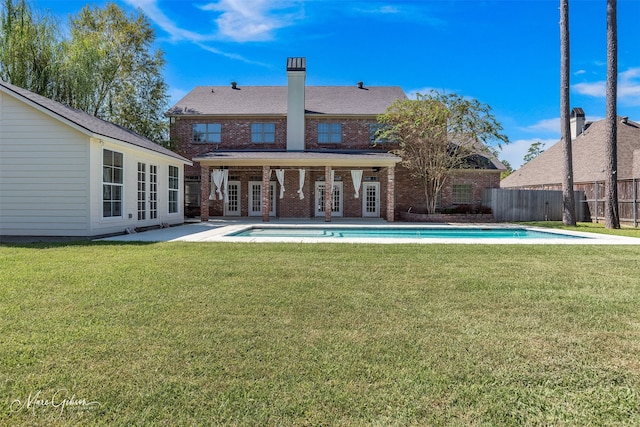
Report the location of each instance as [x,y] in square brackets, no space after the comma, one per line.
[43,171]
[131,156]
[51,178]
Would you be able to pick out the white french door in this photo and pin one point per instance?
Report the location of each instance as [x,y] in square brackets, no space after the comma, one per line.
[255,198]
[147,192]
[153,192]
[233,192]
[371,199]
[336,209]
[142,191]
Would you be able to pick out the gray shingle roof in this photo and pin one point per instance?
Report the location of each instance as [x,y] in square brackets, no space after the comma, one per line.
[89,123]
[272,100]
[588,158]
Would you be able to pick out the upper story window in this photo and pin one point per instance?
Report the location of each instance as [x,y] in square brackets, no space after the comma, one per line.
[112,180]
[375,129]
[329,133]
[207,133]
[263,133]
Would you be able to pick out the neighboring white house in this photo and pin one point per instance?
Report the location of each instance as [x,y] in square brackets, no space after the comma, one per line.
[65,173]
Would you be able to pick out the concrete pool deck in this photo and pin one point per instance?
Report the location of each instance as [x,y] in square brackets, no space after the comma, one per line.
[217,230]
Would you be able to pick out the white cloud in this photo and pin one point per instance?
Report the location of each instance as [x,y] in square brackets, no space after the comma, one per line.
[252,20]
[405,12]
[239,20]
[515,151]
[628,87]
[545,126]
[153,12]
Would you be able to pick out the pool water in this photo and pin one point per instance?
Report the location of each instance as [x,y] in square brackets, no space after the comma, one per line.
[401,233]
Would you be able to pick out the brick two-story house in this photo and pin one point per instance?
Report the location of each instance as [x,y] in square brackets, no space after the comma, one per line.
[273,150]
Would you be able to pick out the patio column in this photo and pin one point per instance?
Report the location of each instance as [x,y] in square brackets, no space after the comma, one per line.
[391,193]
[328,194]
[266,192]
[205,191]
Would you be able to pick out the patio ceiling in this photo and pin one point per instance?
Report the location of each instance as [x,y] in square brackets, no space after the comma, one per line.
[297,159]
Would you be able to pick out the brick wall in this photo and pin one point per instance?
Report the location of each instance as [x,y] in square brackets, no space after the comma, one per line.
[410,193]
[290,206]
[236,135]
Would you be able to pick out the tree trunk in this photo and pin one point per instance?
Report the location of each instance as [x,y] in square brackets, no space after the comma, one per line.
[612,217]
[568,199]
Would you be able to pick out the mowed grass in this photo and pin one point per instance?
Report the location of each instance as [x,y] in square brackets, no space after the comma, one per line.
[589,227]
[319,334]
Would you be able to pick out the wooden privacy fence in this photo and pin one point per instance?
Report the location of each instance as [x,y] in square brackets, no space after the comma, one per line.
[530,205]
[590,205]
[628,200]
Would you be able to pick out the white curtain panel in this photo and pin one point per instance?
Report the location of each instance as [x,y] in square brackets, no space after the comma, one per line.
[216,177]
[280,176]
[225,184]
[301,183]
[356,176]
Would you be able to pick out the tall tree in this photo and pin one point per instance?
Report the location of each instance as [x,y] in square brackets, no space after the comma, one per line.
[611,214]
[568,199]
[29,49]
[438,134]
[535,149]
[106,67]
[112,73]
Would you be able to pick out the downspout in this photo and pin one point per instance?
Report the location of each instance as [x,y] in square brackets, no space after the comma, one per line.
[635,202]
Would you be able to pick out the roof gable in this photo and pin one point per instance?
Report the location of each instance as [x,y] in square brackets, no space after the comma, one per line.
[90,125]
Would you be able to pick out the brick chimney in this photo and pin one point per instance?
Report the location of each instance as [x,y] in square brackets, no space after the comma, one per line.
[577,122]
[296,75]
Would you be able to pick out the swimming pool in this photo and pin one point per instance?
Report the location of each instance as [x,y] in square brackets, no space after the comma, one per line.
[400,233]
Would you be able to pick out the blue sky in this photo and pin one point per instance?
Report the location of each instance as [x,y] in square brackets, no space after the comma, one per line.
[504,53]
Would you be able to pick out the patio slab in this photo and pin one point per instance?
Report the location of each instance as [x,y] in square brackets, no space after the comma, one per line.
[218,230]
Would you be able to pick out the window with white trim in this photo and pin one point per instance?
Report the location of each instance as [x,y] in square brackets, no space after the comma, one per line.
[174,188]
[461,194]
[207,133]
[112,183]
[329,133]
[263,133]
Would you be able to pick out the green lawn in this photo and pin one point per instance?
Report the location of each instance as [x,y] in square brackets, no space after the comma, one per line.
[319,334]
[588,227]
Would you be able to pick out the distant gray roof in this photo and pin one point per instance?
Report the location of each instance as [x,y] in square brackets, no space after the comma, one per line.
[272,100]
[88,122]
[588,152]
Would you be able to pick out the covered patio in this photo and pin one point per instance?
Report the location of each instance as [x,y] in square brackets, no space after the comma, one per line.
[308,167]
